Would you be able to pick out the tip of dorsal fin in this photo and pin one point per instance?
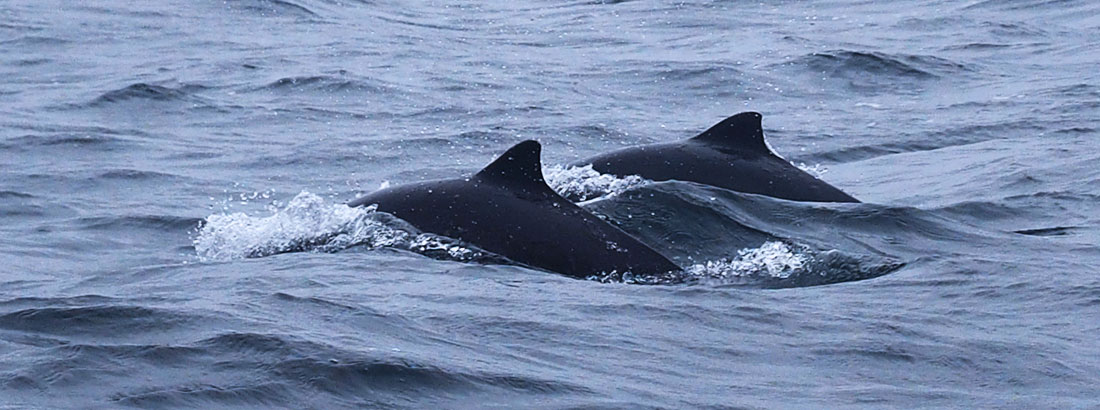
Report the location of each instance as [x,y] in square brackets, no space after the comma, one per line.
[520,163]
[742,130]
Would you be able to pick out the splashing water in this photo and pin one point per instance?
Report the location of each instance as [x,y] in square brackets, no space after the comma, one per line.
[584,183]
[817,170]
[307,222]
[772,265]
[781,265]
[771,260]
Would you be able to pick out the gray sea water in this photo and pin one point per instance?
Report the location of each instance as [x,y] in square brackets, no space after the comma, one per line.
[173,234]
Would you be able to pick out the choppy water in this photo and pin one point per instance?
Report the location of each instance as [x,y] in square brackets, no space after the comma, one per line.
[172,230]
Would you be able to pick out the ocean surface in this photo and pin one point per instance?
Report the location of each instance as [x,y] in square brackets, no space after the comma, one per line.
[173,230]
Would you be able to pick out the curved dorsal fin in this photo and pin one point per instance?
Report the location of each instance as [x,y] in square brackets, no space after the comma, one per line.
[743,130]
[518,165]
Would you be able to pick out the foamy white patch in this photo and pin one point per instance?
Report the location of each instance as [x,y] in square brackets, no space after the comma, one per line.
[817,170]
[307,222]
[584,183]
[771,260]
[432,245]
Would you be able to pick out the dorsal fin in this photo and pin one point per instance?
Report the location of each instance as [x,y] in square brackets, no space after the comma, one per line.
[518,165]
[743,130]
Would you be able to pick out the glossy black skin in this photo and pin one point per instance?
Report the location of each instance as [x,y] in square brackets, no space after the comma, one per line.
[730,155]
[509,210]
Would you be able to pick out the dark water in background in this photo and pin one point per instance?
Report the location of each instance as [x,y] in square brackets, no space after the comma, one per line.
[968,128]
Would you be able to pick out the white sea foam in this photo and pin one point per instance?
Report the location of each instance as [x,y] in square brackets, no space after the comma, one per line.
[772,260]
[585,183]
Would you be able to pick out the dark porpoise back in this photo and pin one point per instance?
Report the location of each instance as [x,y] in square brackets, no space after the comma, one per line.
[508,209]
[732,155]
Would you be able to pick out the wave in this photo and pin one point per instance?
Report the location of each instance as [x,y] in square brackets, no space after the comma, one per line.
[32,301]
[271,370]
[90,140]
[149,92]
[882,64]
[153,222]
[878,71]
[1052,231]
[328,84]
[48,130]
[710,78]
[35,41]
[264,370]
[933,140]
[15,194]
[127,174]
[269,395]
[329,369]
[142,91]
[433,24]
[105,176]
[92,320]
[273,8]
